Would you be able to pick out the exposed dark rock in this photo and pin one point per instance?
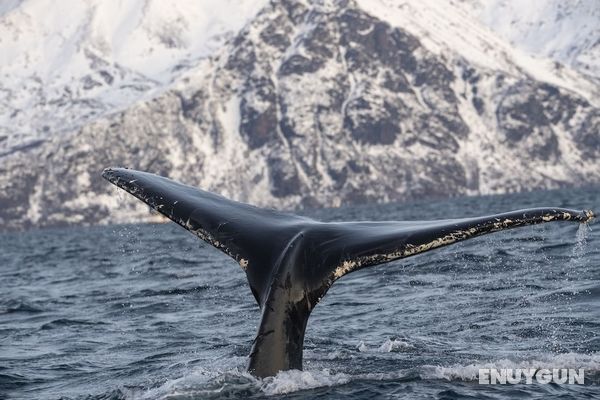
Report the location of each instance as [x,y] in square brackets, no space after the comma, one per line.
[587,137]
[258,127]
[298,64]
[283,177]
[372,125]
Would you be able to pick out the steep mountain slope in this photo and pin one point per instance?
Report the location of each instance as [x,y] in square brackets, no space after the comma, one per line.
[328,103]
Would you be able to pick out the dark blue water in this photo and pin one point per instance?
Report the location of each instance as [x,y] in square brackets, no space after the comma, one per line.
[150,312]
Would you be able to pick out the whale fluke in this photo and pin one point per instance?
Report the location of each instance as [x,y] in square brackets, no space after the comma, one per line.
[291,261]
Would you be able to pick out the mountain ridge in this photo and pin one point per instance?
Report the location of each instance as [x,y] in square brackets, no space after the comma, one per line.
[322,104]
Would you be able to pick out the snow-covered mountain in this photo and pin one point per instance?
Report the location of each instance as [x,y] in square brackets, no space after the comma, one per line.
[307,103]
[566,31]
[66,63]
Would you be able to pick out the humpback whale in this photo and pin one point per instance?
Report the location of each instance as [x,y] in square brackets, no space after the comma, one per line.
[291,261]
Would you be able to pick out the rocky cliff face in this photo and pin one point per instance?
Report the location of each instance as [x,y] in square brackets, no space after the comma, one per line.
[324,104]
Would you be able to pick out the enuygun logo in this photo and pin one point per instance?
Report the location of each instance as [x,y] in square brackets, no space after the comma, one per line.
[494,376]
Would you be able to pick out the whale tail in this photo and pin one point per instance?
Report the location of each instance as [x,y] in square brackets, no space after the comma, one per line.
[291,261]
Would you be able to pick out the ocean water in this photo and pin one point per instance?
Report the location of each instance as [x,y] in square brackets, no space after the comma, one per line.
[150,312]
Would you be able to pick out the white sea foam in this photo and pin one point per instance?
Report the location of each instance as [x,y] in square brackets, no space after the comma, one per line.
[205,382]
[294,380]
[395,345]
[389,346]
[469,372]
[362,347]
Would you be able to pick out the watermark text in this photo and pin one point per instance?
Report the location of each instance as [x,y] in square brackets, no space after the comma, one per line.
[503,376]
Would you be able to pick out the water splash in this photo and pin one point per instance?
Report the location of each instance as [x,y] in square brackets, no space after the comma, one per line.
[578,267]
[582,235]
[576,270]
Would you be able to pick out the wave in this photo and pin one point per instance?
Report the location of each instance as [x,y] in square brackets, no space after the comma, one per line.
[61,322]
[16,306]
[173,291]
[389,346]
